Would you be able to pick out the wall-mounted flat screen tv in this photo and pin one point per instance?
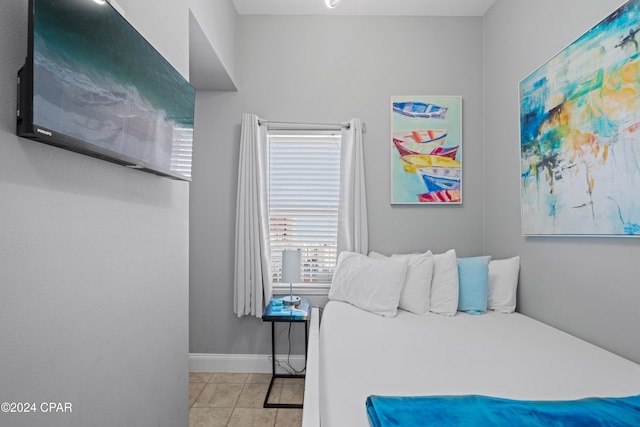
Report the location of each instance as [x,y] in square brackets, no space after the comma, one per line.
[92,84]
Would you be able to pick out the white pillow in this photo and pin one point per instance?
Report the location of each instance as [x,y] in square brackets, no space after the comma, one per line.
[417,285]
[370,284]
[503,284]
[445,284]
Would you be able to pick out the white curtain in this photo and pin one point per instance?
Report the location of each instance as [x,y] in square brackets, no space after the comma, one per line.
[252,276]
[352,218]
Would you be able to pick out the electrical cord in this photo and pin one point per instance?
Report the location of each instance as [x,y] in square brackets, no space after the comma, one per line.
[295,372]
[287,365]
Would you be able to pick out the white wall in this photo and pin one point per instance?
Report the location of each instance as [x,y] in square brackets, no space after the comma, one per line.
[586,286]
[218,21]
[93,269]
[329,69]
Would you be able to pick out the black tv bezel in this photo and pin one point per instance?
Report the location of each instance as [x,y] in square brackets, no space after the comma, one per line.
[27,129]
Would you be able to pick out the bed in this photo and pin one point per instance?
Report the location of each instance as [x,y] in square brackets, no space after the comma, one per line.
[355,353]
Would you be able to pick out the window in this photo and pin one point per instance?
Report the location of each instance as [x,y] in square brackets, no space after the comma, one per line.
[303,170]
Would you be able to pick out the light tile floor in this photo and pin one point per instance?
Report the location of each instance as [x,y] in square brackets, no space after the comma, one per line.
[235,400]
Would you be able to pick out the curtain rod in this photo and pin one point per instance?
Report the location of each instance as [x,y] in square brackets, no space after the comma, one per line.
[294,125]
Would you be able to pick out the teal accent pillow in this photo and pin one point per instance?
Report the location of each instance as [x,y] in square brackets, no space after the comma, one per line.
[473,274]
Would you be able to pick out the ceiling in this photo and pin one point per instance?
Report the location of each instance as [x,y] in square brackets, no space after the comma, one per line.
[365,7]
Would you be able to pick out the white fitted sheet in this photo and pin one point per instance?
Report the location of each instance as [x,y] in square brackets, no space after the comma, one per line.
[494,354]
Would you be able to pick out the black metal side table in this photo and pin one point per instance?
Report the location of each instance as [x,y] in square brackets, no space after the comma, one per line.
[277,313]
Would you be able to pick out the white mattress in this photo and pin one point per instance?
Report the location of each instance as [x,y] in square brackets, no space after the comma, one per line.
[494,354]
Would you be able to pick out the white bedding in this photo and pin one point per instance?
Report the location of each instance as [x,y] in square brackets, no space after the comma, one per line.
[494,354]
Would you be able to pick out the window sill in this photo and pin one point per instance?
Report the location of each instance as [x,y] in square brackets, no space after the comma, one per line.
[303,289]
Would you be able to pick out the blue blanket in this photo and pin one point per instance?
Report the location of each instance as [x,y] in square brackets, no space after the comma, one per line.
[450,411]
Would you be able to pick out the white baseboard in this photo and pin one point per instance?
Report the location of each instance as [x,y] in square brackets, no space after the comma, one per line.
[234,363]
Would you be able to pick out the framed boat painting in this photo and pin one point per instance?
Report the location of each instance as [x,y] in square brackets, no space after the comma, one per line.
[580,134]
[426,150]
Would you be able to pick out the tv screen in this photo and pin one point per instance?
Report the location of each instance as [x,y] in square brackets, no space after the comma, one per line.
[92,84]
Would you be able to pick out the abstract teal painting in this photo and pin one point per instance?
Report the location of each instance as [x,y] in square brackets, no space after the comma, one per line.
[580,134]
[426,155]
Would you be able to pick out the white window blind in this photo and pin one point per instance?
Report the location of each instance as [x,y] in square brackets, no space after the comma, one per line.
[182,151]
[304,194]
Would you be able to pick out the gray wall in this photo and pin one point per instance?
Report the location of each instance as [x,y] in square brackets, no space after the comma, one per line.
[93,273]
[329,69]
[586,286]
[218,20]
